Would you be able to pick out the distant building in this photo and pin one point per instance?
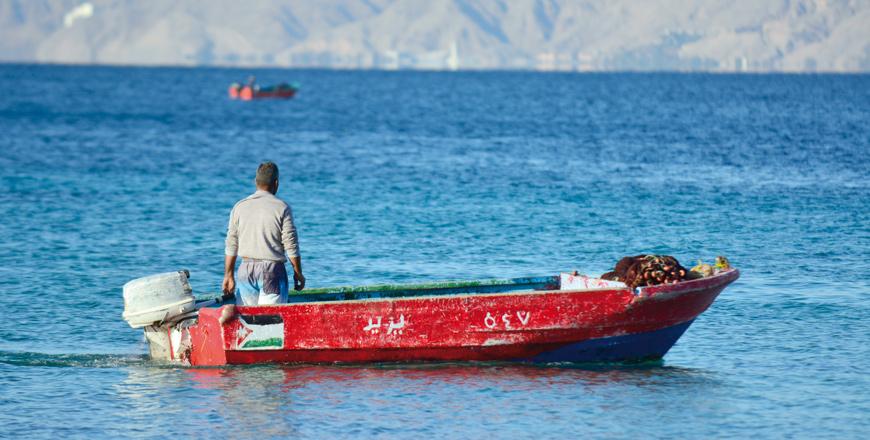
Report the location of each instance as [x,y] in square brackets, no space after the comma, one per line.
[584,62]
[453,57]
[391,60]
[546,61]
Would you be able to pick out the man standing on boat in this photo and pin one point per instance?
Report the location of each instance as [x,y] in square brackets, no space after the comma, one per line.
[261,230]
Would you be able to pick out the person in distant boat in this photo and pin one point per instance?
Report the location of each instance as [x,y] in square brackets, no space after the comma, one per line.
[261,231]
[252,82]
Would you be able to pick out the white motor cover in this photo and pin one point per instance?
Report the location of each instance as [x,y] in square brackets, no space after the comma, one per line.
[157,298]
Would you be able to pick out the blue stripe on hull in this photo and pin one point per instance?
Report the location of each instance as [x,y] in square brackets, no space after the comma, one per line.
[650,345]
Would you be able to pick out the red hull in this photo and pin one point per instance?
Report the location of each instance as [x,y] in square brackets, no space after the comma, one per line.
[247,93]
[539,326]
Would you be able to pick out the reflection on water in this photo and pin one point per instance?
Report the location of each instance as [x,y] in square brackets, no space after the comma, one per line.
[290,400]
[147,400]
[507,377]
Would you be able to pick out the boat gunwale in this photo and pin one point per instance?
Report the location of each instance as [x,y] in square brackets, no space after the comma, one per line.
[684,287]
[434,285]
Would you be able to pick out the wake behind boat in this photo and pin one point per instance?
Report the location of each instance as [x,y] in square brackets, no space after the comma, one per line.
[564,318]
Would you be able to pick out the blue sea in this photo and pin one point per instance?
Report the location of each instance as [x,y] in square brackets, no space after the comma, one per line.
[110,174]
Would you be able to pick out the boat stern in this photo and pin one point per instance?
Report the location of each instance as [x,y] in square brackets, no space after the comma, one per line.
[207,337]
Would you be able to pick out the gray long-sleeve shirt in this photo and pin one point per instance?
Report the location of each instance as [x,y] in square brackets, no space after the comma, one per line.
[261,226]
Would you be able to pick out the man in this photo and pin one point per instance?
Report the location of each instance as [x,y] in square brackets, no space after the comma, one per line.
[261,230]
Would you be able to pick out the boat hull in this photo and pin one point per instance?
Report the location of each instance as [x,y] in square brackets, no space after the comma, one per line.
[247,93]
[545,326]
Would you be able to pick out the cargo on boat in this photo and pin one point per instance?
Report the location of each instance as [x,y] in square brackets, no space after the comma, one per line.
[250,92]
[564,318]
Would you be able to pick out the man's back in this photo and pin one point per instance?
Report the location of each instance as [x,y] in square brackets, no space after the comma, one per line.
[261,227]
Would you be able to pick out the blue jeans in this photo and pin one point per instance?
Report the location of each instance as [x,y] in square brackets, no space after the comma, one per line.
[261,282]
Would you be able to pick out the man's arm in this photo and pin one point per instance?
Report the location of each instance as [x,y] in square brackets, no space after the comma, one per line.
[298,278]
[229,285]
[290,240]
[232,249]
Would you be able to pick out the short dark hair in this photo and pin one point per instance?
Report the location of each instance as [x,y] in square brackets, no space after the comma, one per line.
[267,173]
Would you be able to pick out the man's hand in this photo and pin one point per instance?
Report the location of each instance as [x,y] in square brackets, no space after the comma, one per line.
[229,285]
[298,281]
[298,278]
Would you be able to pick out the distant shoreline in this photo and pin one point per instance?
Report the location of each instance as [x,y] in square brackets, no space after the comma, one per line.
[424,70]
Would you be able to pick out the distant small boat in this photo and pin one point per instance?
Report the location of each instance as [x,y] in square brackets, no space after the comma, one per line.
[563,318]
[249,92]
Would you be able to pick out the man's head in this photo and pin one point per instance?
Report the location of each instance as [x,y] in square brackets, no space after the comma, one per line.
[267,177]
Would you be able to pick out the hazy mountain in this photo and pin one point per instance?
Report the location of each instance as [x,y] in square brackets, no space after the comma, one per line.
[804,35]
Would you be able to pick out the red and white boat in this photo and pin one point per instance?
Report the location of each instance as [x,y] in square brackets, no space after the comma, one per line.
[565,318]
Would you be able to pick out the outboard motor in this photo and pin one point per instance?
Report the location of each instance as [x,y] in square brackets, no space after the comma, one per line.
[158,299]
[165,306]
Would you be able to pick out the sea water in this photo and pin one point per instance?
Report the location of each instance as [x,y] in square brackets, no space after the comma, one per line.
[110,174]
